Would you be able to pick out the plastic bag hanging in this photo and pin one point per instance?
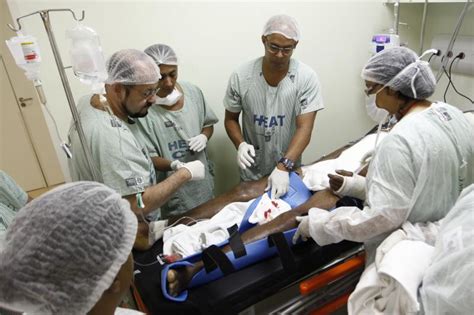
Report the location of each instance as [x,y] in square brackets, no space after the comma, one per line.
[88,62]
[25,50]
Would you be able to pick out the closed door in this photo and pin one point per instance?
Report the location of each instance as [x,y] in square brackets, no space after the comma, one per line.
[17,155]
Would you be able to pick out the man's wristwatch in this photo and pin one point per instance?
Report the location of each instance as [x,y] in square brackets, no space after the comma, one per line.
[287,163]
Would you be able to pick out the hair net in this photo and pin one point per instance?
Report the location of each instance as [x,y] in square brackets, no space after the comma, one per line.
[162,54]
[65,248]
[400,69]
[131,67]
[284,25]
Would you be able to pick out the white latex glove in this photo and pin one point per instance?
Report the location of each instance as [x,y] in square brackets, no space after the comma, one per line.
[176,164]
[245,155]
[197,143]
[196,168]
[303,229]
[278,181]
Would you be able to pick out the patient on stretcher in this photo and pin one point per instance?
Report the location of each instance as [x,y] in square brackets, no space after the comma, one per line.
[229,209]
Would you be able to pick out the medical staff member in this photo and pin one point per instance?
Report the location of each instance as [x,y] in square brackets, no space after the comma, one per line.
[418,170]
[122,161]
[278,97]
[176,130]
[12,198]
[69,252]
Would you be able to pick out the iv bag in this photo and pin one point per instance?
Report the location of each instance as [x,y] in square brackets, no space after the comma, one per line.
[87,58]
[25,50]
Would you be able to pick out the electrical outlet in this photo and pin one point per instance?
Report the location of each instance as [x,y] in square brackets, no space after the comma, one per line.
[463,48]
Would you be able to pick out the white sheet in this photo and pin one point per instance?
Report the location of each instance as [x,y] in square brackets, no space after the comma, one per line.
[315,176]
[390,285]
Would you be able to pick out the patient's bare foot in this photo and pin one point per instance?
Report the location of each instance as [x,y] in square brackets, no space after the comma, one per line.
[179,278]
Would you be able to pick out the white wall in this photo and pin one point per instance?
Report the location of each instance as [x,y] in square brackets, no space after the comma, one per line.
[442,19]
[213,38]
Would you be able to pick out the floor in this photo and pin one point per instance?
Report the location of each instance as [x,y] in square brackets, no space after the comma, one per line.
[38,192]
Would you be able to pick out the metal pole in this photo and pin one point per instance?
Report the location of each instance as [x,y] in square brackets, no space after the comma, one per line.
[396,13]
[423,25]
[72,105]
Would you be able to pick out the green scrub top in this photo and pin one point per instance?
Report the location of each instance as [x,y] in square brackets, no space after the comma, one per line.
[166,133]
[269,113]
[123,162]
[12,198]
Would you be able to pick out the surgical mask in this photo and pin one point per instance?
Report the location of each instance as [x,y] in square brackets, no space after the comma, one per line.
[377,114]
[170,99]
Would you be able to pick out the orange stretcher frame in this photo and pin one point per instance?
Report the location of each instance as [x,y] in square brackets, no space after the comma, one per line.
[320,280]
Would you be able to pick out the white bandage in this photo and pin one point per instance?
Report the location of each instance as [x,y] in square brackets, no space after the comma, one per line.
[352,186]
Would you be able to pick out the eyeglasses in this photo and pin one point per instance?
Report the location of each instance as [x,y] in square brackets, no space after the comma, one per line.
[145,93]
[370,89]
[274,49]
[149,92]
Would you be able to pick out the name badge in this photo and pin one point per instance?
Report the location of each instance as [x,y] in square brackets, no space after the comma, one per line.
[442,114]
[169,124]
[115,122]
[134,181]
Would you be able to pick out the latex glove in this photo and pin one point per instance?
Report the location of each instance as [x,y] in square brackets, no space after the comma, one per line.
[278,181]
[303,229]
[176,164]
[245,155]
[196,168]
[197,143]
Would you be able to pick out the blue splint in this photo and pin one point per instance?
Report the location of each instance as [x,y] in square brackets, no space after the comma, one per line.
[297,194]
[256,251]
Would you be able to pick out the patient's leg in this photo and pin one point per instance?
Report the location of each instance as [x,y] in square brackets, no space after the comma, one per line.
[178,279]
[244,191]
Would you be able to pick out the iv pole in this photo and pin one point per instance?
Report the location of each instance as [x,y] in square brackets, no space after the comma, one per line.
[67,89]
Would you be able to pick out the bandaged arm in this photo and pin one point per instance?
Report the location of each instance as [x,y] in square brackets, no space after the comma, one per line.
[390,189]
[353,186]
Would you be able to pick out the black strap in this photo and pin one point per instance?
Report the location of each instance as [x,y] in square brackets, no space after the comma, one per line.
[284,250]
[213,257]
[235,242]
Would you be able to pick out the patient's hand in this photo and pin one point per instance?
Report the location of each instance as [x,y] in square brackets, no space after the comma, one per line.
[335,181]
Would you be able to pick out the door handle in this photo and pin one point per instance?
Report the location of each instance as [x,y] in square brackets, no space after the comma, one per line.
[23,100]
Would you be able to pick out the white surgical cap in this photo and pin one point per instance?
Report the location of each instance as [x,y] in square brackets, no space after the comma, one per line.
[132,67]
[65,248]
[162,54]
[400,69]
[284,25]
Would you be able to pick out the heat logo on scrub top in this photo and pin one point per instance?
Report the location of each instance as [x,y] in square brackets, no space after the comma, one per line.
[268,122]
[178,148]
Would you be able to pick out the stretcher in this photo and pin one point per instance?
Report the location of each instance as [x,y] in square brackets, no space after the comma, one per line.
[240,289]
[217,264]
